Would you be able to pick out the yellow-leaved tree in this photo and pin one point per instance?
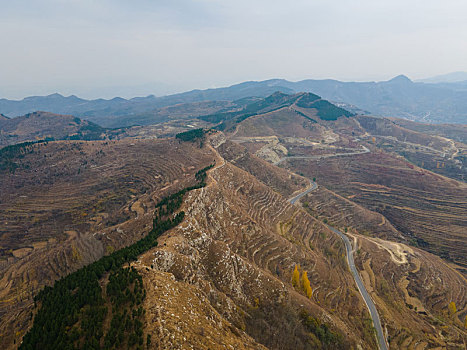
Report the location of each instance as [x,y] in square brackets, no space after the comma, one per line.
[296,277]
[452,307]
[306,285]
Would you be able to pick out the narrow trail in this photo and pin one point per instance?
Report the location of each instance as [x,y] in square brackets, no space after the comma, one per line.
[362,151]
[350,260]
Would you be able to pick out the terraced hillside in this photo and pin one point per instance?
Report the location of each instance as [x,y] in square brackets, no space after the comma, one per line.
[69,202]
[370,191]
[413,290]
[350,157]
[229,265]
[343,212]
[428,209]
[411,287]
[278,179]
[456,132]
[237,248]
[425,145]
[225,275]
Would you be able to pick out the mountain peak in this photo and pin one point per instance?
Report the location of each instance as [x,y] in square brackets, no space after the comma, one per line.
[55,95]
[400,79]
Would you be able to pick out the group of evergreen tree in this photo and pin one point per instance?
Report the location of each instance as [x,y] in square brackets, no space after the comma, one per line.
[72,313]
[328,111]
[320,333]
[126,292]
[191,135]
[10,154]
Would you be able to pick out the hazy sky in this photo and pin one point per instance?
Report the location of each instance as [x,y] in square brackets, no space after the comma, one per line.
[102,48]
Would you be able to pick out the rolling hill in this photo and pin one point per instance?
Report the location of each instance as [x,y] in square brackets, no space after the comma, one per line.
[43,125]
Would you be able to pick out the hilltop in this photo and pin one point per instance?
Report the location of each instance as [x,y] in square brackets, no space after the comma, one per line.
[44,125]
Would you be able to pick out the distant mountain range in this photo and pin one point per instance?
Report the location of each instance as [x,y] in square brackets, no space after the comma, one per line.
[453,77]
[37,126]
[443,102]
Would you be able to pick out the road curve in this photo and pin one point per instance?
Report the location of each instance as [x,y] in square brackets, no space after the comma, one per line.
[313,186]
[361,287]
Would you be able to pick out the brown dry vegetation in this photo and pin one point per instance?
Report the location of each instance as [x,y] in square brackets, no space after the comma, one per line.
[69,203]
[428,150]
[278,179]
[419,204]
[380,194]
[428,209]
[457,132]
[413,296]
[223,277]
[411,287]
[239,244]
[41,125]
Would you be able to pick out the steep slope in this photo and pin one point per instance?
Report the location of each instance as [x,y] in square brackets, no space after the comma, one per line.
[422,205]
[370,191]
[224,277]
[413,290]
[242,301]
[360,159]
[70,202]
[238,246]
[455,132]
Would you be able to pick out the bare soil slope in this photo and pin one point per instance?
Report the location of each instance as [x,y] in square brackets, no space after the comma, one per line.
[70,202]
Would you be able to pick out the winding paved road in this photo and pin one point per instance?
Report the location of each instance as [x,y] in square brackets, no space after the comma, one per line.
[350,260]
[361,287]
[313,186]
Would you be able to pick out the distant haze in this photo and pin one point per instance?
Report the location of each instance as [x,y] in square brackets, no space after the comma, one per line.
[123,48]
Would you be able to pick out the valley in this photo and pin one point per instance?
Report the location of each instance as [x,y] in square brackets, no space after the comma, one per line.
[223,175]
[310,231]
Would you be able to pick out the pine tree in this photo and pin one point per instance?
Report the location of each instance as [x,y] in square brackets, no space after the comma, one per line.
[296,277]
[452,307]
[306,285]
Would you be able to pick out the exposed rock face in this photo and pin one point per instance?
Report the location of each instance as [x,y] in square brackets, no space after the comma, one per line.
[236,251]
[183,317]
[238,246]
[70,202]
[222,279]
